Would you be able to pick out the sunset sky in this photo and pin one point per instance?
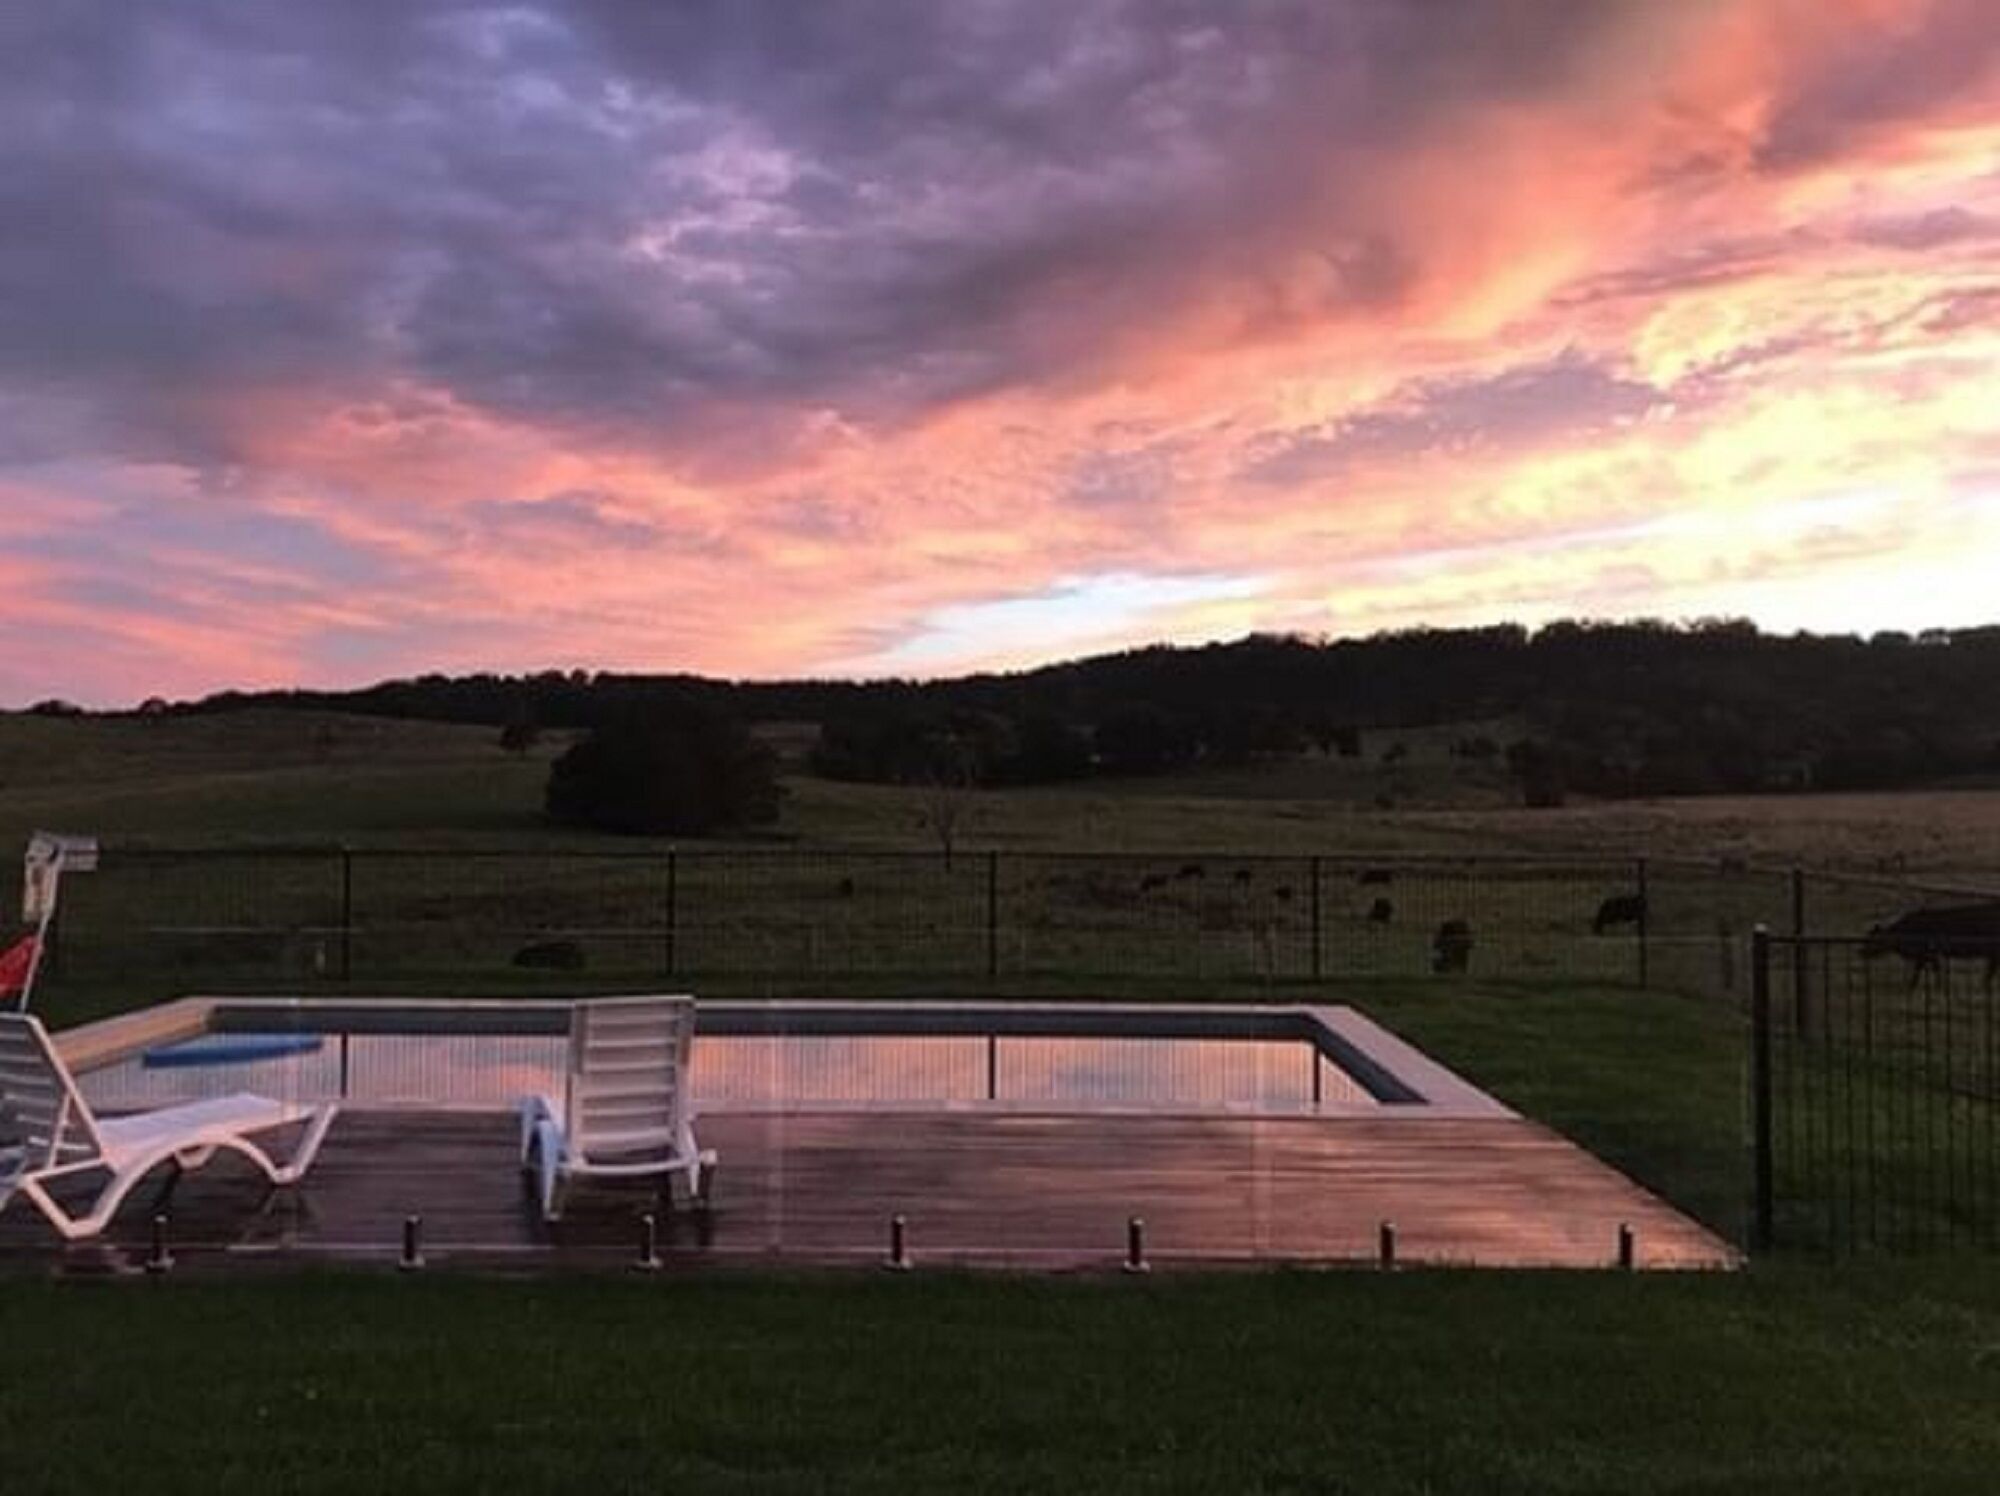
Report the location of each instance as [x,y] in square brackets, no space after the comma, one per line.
[354,340]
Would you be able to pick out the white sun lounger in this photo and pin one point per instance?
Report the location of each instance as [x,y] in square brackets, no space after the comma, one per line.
[624,1112]
[47,1132]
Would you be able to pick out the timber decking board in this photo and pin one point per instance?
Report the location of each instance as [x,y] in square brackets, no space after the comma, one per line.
[1011,1188]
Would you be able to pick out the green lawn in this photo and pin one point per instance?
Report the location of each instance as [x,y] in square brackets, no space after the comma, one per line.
[1788,1380]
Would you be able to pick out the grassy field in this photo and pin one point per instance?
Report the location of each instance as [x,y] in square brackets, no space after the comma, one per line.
[263,775]
[256,778]
[1776,1381]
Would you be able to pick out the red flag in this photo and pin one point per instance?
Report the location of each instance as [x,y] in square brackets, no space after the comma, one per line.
[16,964]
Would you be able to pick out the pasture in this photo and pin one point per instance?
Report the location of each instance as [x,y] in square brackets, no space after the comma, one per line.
[264,776]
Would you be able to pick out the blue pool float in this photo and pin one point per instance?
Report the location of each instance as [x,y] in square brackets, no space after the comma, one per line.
[230,1049]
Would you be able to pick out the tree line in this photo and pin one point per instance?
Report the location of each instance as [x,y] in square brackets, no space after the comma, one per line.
[1637,708]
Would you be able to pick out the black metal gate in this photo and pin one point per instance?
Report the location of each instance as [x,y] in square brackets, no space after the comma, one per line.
[1876,1093]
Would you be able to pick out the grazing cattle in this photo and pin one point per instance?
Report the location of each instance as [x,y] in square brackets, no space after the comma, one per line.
[1152,881]
[1244,875]
[1928,938]
[1282,893]
[1619,909]
[1189,870]
[1381,912]
[846,888]
[551,955]
[1451,947]
[1377,875]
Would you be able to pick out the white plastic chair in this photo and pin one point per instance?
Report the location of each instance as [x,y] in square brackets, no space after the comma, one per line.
[625,1112]
[47,1133]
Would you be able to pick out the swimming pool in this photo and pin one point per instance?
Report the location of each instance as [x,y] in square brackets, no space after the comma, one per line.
[795,1056]
[1019,1135]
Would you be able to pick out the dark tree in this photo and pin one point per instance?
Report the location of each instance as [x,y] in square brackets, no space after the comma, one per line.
[519,735]
[945,791]
[1048,750]
[1142,739]
[1540,770]
[679,771]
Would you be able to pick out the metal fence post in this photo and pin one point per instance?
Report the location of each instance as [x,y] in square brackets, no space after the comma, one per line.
[1801,1002]
[992,914]
[1762,1233]
[346,914]
[1645,924]
[1319,965]
[673,910]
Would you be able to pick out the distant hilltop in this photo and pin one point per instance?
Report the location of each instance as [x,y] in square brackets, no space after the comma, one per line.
[1600,708]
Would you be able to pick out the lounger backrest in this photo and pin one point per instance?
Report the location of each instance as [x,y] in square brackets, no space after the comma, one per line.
[628,1065]
[44,1121]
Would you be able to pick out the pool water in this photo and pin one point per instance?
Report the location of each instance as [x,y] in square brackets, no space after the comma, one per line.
[791,1072]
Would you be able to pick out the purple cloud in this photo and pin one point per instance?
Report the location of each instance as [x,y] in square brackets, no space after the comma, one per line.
[1569,396]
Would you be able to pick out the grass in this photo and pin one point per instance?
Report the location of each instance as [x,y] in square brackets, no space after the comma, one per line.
[262,775]
[1788,1380]
[288,775]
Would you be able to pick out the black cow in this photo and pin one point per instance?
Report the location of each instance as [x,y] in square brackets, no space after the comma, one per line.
[1928,938]
[1619,909]
[1451,947]
[1381,912]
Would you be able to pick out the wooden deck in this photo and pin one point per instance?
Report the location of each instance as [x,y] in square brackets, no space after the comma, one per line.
[1006,1190]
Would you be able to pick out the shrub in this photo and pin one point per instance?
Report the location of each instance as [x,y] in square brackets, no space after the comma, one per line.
[1540,770]
[1142,738]
[665,771]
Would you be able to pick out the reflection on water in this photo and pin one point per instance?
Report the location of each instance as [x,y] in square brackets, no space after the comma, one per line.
[733,1073]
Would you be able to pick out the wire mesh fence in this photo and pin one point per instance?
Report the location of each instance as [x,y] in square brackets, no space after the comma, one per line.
[302,916]
[313,915]
[1876,1092]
